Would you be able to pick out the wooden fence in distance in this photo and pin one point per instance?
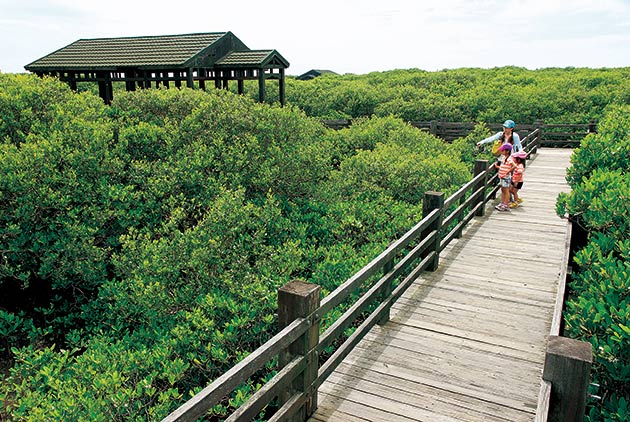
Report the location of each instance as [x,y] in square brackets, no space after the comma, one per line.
[551,134]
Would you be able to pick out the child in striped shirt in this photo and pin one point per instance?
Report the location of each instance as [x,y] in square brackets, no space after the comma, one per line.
[505,176]
[517,177]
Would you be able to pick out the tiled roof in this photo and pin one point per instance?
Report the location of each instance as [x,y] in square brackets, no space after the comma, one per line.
[107,53]
[252,57]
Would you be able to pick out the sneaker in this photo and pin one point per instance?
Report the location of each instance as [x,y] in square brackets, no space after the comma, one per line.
[502,207]
[519,200]
[513,204]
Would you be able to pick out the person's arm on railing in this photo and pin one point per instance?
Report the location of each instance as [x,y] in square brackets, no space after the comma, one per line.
[490,139]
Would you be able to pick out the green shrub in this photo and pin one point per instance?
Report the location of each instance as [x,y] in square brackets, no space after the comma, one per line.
[598,309]
[607,149]
[145,241]
[569,95]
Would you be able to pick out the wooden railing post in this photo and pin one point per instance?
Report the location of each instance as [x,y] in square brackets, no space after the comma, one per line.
[299,299]
[434,200]
[460,232]
[433,127]
[387,290]
[480,167]
[567,367]
[538,140]
[592,126]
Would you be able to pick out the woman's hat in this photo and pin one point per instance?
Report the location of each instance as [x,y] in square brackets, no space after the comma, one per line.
[520,154]
[509,124]
[505,147]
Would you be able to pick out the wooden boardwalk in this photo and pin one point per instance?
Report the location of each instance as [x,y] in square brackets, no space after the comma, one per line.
[467,342]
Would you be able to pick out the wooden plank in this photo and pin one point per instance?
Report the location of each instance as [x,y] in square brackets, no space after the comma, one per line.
[357,408]
[544,396]
[506,400]
[410,337]
[466,364]
[427,398]
[327,411]
[466,342]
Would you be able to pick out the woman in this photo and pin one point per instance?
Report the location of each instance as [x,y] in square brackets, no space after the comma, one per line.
[507,136]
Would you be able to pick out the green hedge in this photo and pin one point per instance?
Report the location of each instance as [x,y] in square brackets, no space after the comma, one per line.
[142,244]
[598,309]
[569,95]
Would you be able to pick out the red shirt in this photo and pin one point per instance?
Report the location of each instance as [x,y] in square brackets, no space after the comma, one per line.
[506,167]
[517,176]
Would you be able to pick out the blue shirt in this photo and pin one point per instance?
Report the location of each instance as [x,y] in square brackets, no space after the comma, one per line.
[517,141]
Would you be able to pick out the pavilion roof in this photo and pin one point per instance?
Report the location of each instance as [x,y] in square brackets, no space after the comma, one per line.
[141,52]
[252,58]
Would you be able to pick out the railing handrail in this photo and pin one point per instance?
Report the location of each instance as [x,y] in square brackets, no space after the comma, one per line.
[226,383]
[433,225]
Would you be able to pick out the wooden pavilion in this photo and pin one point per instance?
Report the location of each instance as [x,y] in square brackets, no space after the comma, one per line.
[143,62]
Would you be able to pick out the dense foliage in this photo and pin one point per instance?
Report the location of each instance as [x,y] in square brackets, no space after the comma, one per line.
[570,95]
[142,244]
[598,310]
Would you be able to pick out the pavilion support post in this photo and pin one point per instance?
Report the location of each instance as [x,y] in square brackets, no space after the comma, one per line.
[567,367]
[241,86]
[261,85]
[299,299]
[72,83]
[433,200]
[202,84]
[480,167]
[190,83]
[105,87]
[282,88]
[109,89]
[130,83]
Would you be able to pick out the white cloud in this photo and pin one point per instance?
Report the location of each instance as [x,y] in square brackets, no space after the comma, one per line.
[356,36]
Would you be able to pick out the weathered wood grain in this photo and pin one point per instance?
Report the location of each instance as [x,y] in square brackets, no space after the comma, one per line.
[467,342]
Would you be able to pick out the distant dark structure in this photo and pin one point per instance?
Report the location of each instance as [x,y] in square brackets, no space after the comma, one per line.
[313,73]
[142,62]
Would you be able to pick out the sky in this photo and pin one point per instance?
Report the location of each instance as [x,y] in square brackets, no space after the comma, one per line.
[352,36]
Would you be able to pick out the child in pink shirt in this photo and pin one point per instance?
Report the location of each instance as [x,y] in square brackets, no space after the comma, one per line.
[517,177]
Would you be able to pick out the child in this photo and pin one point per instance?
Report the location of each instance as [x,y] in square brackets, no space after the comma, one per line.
[505,167]
[517,177]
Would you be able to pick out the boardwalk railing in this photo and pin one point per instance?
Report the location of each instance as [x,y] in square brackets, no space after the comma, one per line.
[565,380]
[551,134]
[306,358]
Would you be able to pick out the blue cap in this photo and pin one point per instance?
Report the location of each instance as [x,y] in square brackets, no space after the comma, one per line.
[509,124]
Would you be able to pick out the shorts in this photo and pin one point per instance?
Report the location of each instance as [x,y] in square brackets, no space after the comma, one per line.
[505,183]
[518,185]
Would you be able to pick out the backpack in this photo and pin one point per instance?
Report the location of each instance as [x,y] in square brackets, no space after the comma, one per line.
[495,147]
[497,144]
